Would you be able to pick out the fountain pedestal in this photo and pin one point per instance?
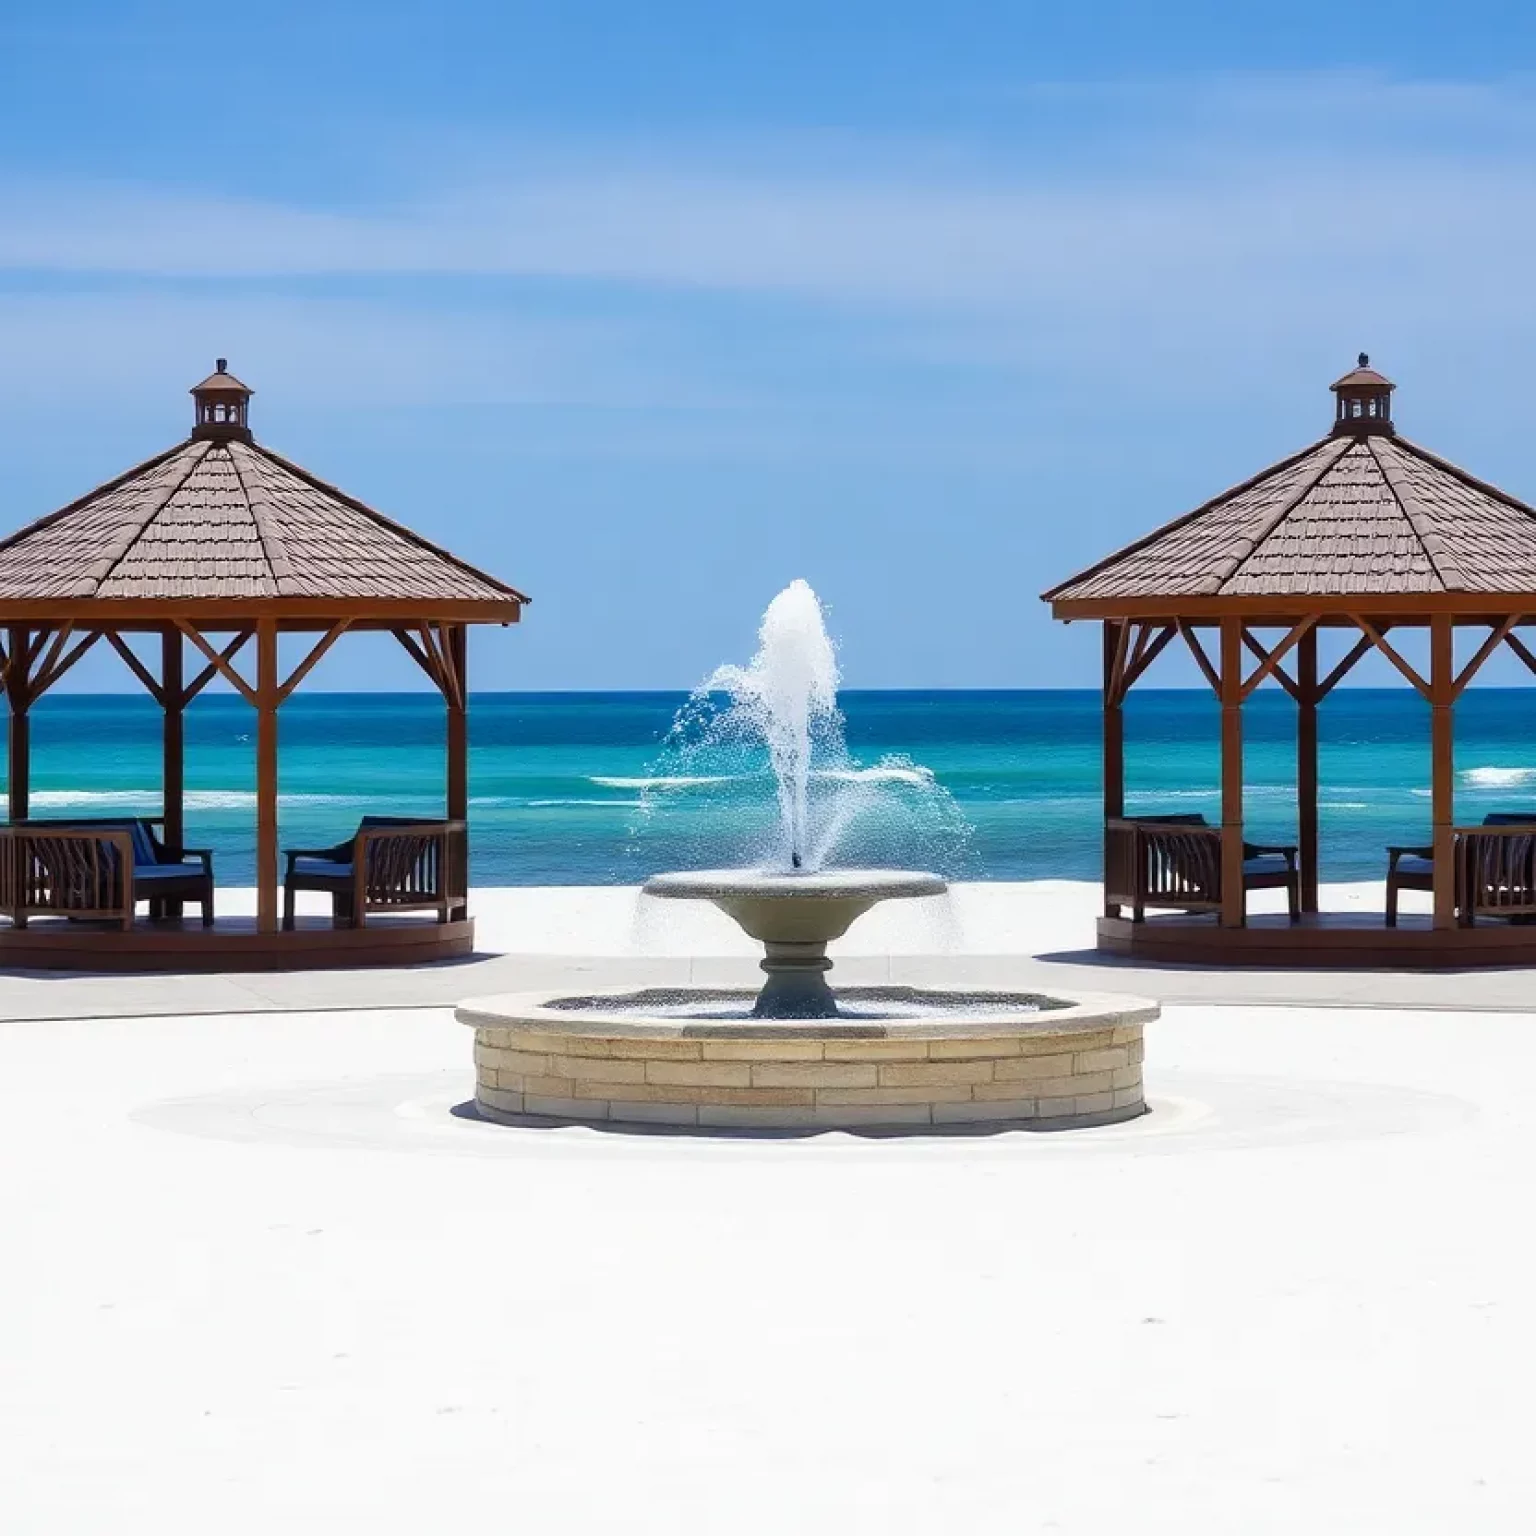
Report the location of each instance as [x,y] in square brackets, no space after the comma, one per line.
[794,916]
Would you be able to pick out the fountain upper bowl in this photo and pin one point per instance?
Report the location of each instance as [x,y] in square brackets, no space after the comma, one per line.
[801,884]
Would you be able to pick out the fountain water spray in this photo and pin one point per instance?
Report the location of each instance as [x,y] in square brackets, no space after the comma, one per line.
[787,694]
[772,727]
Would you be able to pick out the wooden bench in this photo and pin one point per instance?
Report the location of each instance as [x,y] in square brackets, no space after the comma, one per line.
[1494,869]
[1175,862]
[390,864]
[98,870]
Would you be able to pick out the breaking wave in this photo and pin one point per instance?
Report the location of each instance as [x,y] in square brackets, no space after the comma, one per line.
[1497,778]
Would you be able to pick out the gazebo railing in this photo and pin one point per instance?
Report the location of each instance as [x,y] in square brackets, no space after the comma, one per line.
[1495,871]
[1168,862]
[411,866]
[77,872]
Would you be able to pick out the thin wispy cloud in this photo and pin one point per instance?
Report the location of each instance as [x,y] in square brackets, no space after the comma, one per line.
[1149,228]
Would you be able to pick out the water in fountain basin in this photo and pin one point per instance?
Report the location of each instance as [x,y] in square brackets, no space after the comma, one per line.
[765,742]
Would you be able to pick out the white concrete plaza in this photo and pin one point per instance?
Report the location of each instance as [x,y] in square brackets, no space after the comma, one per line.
[248,1288]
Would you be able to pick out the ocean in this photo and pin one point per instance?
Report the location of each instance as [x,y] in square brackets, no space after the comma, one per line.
[580,788]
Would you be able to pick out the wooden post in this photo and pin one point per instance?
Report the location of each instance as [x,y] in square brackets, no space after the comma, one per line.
[172,738]
[457,650]
[1232,895]
[19,737]
[1306,767]
[1114,747]
[267,684]
[172,751]
[1442,754]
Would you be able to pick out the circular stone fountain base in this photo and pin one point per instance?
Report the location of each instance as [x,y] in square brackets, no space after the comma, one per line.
[693,1059]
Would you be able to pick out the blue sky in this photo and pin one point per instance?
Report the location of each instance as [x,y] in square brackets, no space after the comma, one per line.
[650,309]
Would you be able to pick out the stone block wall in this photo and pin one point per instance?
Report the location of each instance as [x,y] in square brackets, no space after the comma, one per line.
[789,1079]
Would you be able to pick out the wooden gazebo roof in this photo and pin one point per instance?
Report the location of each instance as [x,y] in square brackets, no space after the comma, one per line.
[1363,519]
[220,521]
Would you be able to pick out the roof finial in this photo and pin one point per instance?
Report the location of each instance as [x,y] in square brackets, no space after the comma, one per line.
[1365,360]
[221,364]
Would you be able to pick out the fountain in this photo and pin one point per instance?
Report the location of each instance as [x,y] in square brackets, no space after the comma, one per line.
[796,1053]
[787,698]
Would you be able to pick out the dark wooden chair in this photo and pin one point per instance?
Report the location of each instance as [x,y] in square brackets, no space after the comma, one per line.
[99,869]
[390,864]
[1175,862]
[1409,868]
[1495,869]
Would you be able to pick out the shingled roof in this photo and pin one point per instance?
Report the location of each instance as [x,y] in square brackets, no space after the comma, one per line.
[219,518]
[1363,513]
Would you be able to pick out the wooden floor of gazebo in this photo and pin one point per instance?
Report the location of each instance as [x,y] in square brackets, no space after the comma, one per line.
[232,944]
[1320,941]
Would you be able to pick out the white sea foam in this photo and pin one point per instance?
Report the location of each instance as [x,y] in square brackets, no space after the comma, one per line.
[1497,778]
[661,781]
[544,805]
[881,773]
[150,799]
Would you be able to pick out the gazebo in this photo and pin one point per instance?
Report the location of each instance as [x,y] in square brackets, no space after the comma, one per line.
[1363,532]
[214,546]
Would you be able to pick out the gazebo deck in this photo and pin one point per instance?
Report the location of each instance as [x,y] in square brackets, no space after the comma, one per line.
[1320,941]
[232,944]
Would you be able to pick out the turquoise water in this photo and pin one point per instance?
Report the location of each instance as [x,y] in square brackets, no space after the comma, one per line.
[576,788]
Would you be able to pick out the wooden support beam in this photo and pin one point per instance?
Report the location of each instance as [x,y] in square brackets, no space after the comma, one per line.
[414,651]
[453,684]
[1279,674]
[172,738]
[219,660]
[1269,661]
[58,665]
[39,673]
[19,735]
[137,667]
[1114,744]
[1378,638]
[224,659]
[1362,647]
[1198,652]
[266,700]
[1146,656]
[1442,752]
[305,667]
[456,652]
[35,646]
[1233,904]
[1521,649]
[1306,769]
[1122,651]
[1496,637]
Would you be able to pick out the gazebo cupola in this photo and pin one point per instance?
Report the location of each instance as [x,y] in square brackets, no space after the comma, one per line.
[223,405]
[1364,402]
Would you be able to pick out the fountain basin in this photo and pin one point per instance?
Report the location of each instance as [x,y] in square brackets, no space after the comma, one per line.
[901,1059]
[794,916]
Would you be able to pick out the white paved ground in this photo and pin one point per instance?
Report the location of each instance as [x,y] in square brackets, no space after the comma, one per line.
[256,1278]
